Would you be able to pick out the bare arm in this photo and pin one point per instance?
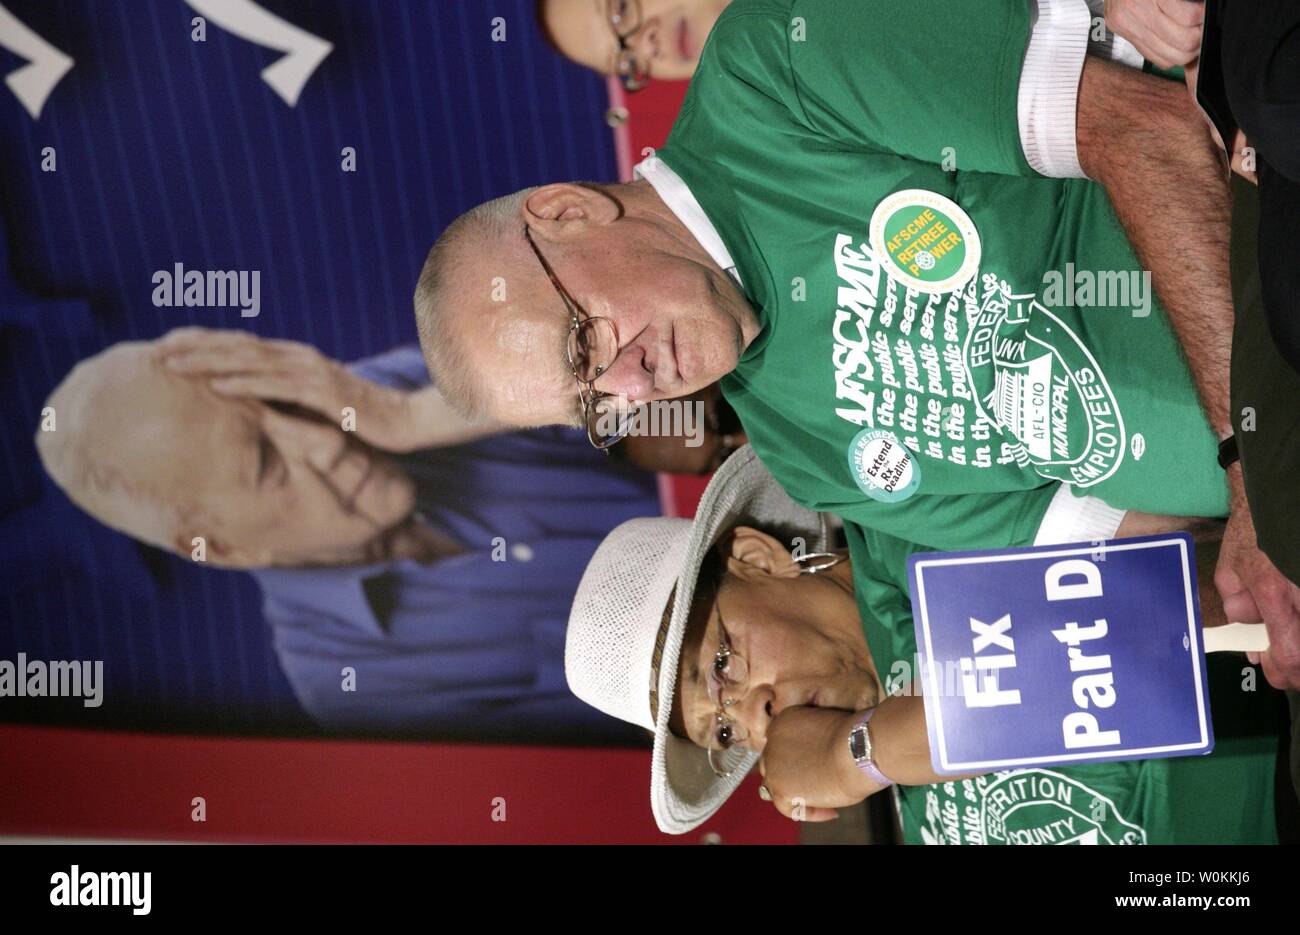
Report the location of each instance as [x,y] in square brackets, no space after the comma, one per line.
[1140,138]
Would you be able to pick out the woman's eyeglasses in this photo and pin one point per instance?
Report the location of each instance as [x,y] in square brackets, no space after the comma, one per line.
[625,20]
[729,673]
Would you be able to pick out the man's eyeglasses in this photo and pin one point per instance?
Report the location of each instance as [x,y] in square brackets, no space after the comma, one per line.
[591,347]
[625,19]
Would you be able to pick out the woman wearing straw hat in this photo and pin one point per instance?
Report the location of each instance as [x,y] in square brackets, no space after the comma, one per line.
[739,640]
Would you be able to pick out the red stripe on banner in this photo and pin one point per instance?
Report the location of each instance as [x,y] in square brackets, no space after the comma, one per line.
[107,784]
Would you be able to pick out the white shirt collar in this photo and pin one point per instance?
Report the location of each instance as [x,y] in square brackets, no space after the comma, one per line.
[670,187]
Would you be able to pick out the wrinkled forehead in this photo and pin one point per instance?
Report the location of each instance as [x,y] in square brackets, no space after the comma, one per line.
[525,363]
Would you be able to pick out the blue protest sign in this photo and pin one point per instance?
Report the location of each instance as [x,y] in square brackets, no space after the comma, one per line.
[1061,654]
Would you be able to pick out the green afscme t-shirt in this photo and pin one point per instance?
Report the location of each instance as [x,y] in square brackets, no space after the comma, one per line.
[941,327]
[1226,797]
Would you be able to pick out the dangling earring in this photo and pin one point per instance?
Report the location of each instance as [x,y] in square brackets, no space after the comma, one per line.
[824,561]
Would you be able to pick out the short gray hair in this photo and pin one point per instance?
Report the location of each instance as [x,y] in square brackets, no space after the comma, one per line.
[479,230]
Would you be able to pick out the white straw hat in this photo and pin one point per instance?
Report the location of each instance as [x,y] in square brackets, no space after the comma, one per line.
[617,640]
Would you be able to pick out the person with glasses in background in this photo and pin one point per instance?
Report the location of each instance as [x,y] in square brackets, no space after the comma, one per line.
[637,40]
[743,639]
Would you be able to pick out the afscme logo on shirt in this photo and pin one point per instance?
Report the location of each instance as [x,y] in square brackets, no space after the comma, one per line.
[980,377]
[77,888]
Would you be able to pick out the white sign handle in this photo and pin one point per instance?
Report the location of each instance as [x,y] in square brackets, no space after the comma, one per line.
[1236,637]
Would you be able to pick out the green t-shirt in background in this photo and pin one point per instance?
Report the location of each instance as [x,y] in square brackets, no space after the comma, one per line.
[1224,798]
[924,367]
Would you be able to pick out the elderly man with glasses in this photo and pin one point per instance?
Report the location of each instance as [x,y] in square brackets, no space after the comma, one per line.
[874,229]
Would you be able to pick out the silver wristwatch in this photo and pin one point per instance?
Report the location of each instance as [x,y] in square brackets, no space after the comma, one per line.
[860,749]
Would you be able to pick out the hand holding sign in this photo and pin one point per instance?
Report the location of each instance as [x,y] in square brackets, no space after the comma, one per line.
[1255,591]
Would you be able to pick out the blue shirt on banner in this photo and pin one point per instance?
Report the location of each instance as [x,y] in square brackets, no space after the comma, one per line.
[464,647]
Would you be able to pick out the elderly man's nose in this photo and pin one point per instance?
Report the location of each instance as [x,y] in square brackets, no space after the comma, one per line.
[629,374]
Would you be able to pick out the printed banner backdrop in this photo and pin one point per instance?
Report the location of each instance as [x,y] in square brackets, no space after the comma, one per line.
[155,149]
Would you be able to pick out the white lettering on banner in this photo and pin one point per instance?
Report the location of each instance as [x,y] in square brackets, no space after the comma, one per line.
[1095,686]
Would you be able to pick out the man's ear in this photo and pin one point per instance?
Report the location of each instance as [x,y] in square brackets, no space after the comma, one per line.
[750,553]
[562,211]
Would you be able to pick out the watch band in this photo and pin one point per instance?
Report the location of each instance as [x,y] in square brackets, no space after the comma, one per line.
[860,749]
[1228,452]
